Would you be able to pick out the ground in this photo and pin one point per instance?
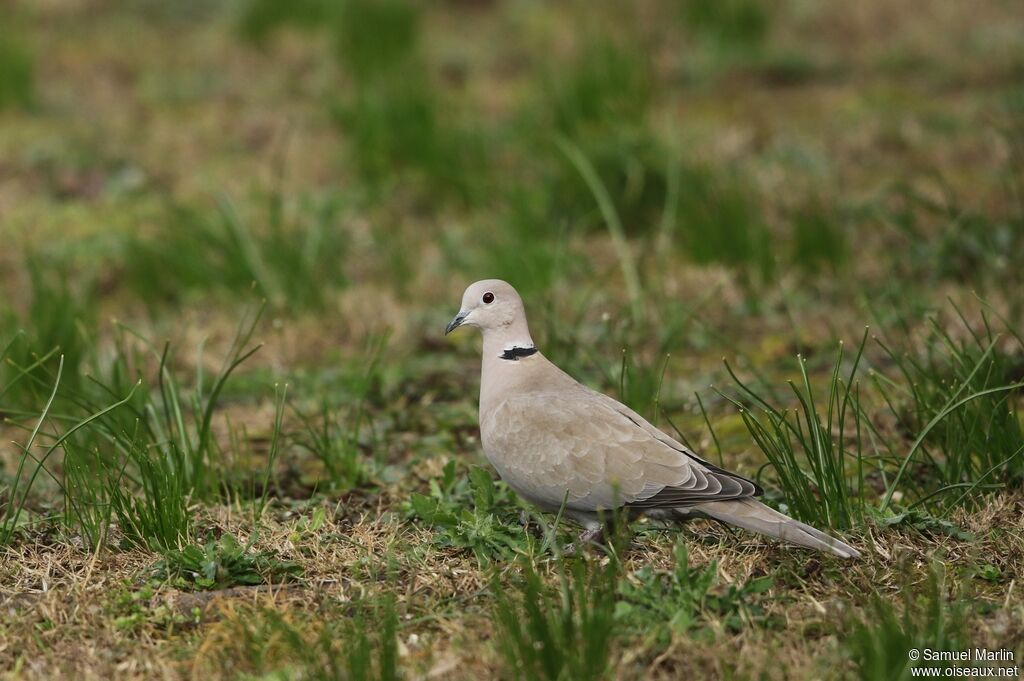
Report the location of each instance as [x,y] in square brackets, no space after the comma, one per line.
[668,184]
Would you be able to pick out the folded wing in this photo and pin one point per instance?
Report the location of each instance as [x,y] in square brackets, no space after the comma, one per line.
[600,452]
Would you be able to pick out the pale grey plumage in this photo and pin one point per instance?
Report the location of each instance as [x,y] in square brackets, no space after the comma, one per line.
[554,440]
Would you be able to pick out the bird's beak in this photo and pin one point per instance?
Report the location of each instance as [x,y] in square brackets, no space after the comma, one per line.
[456,323]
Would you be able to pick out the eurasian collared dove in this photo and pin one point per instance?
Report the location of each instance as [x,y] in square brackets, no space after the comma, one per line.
[555,441]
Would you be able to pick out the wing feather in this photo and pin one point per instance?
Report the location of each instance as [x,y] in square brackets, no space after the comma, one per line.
[600,452]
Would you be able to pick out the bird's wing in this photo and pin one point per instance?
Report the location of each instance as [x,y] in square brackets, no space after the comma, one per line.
[600,452]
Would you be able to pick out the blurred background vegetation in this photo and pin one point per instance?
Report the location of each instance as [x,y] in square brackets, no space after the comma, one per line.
[158,154]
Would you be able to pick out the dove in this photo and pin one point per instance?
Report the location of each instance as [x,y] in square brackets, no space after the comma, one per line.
[564,447]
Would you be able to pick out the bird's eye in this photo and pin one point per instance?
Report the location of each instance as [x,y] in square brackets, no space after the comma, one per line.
[488,298]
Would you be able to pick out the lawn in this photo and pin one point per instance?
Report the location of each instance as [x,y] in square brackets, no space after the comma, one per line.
[235,443]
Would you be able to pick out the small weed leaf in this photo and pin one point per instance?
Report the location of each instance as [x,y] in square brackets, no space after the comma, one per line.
[483,487]
[924,523]
[430,509]
[473,513]
[222,564]
[131,607]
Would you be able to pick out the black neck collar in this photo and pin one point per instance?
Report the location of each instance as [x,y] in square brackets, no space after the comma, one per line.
[515,353]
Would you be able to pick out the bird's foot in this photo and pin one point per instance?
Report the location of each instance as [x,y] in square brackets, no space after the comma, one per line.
[530,525]
[593,536]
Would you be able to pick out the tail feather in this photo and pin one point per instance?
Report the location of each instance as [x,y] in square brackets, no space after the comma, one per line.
[756,517]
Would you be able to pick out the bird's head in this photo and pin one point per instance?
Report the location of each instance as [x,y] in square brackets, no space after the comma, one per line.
[491,305]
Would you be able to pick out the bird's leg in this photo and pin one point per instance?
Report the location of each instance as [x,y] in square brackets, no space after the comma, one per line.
[594,535]
[529,526]
[591,535]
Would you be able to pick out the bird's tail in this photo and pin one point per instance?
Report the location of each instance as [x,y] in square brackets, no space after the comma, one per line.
[756,517]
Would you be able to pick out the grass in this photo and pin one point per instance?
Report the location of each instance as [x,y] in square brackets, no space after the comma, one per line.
[165,449]
[149,452]
[567,634]
[17,72]
[821,460]
[718,221]
[961,434]
[396,121]
[879,643]
[961,400]
[375,37]
[30,465]
[607,86]
[339,442]
[730,25]
[259,18]
[967,243]
[273,645]
[529,244]
[58,323]
[597,109]
[291,262]
[611,220]
[819,240]
[666,183]
[401,127]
